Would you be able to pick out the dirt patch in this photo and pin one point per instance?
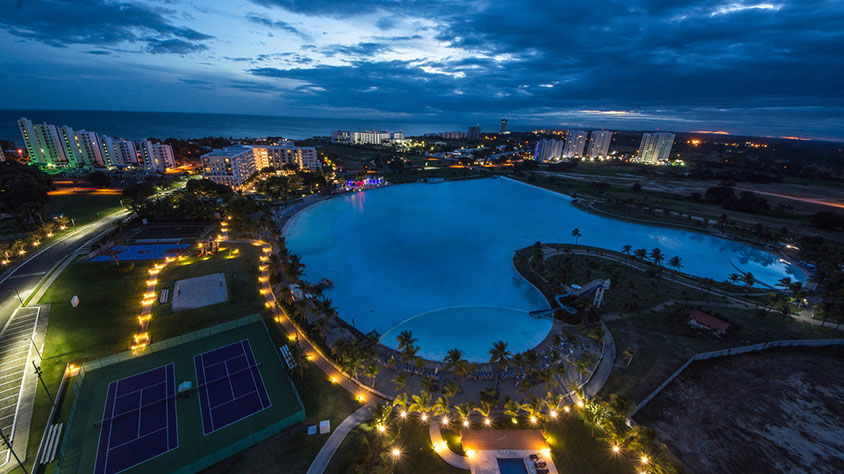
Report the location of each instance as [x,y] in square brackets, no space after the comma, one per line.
[773,411]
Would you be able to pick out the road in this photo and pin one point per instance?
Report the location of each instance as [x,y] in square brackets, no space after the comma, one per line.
[23,278]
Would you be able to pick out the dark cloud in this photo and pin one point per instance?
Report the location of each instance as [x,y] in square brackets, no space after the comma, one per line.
[61,23]
[277,25]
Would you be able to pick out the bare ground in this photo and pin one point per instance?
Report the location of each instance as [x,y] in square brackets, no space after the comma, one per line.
[773,411]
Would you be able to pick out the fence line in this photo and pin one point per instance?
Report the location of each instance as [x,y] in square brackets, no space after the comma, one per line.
[736,351]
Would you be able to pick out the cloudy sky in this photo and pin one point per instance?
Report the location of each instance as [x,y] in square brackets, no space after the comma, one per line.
[746,66]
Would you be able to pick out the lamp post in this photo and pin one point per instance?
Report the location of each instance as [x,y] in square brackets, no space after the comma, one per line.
[9,445]
[43,384]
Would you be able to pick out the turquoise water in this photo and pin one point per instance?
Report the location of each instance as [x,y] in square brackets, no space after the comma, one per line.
[437,258]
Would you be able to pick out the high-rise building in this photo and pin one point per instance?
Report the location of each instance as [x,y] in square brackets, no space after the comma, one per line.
[156,156]
[64,147]
[230,166]
[473,134]
[599,143]
[575,142]
[503,126]
[548,150]
[452,135]
[655,147]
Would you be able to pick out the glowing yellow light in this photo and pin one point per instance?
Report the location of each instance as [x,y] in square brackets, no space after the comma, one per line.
[644,460]
[515,421]
[361,398]
[63,227]
[268,304]
[263,279]
[533,420]
[264,268]
[546,451]
[616,449]
[36,243]
[49,234]
[470,453]
[381,428]
[332,379]
[72,369]
[396,452]
[264,291]
[487,421]
[444,420]
[263,258]
[5,262]
[291,336]
[154,271]
[151,282]
[21,252]
[466,423]
[553,414]
[440,445]
[403,414]
[566,409]
[267,250]
[310,357]
[424,417]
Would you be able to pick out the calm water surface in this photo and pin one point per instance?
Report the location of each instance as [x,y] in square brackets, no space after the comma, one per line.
[437,258]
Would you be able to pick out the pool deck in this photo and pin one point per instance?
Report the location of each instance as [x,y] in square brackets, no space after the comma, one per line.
[487,446]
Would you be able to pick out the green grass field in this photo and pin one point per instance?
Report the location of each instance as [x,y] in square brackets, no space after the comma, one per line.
[195,450]
[83,208]
[240,267]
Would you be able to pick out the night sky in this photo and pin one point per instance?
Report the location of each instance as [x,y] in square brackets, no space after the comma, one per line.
[764,68]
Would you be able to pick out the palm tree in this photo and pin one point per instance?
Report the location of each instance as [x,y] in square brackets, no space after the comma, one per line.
[371,369]
[400,400]
[400,381]
[451,358]
[381,416]
[733,278]
[450,389]
[405,338]
[441,407]
[641,254]
[500,356]
[429,383]
[512,409]
[748,279]
[657,257]
[675,263]
[784,283]
[576,234]
[554,402]
[548,377]
[628,354]
[464,412]
[485,410]
[626,251]
[421,404]
[462,369]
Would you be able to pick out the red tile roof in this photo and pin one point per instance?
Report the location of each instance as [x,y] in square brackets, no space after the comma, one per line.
[709,321]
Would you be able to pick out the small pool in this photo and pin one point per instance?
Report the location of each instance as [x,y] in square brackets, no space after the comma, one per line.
[436,259]
[512,466]
[141,252]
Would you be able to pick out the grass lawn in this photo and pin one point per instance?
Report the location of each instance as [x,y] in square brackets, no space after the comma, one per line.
[662,341]
[241,280]
[418,455]
[83,208]
[292,450]
[575,448]
[102,324]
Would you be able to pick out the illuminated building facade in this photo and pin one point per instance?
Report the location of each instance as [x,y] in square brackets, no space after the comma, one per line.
[599,143]
[655,147]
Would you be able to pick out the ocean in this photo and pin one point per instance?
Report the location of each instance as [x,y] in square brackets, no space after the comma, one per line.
[140,125]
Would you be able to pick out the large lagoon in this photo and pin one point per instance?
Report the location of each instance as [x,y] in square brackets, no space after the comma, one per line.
[437,258]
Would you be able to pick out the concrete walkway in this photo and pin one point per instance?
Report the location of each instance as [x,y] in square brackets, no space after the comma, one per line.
[602,373]
[320,462]
[445,453]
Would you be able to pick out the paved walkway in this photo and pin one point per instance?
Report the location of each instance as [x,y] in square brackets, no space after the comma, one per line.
[441,447]
[320,462]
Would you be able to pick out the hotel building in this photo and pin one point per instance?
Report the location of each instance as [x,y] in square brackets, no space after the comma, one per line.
[370,137]
[234,164]
[655,147]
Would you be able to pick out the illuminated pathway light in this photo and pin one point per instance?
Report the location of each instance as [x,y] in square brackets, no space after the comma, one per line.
[396,452]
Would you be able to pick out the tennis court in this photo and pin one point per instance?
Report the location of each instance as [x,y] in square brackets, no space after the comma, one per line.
[139,420]
[230,385]
[141,252]
[136,413]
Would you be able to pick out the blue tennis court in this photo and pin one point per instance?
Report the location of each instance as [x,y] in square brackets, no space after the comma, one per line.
[230,385]
[141,252]
[139,420]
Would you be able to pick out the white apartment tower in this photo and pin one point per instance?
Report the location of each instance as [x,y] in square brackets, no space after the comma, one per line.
[157,156]
[276,156]
[575,142]
[548,150]
[230,166]
[655,147]
[599,143]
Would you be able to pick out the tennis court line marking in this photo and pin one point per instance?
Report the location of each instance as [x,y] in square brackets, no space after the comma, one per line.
[249,365]
[167,425]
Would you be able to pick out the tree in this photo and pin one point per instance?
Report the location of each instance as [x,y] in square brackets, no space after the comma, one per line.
[626,250]
[576,234]
[464,412]
[421,404]
[641,254]
[400,381]
[675,263]
[24,192]
[748,279]
[500,356]
[371,369]
[404,339]
[451,358]
[657,257]
[512,409]
[485,410]
[784,283]
[734,278]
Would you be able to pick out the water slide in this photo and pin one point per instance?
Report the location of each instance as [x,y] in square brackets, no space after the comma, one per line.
[598,285]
